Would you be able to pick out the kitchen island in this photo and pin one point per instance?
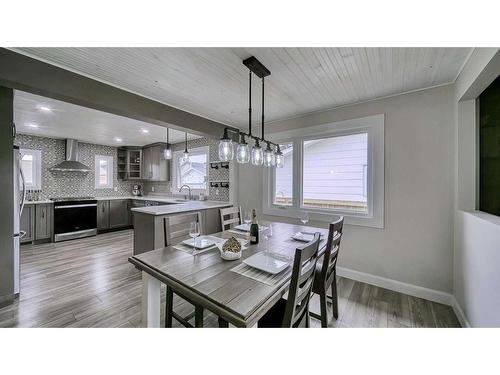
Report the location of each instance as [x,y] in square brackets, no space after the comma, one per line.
[149,222]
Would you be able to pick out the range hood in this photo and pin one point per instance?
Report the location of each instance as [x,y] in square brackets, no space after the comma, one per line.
[71,164]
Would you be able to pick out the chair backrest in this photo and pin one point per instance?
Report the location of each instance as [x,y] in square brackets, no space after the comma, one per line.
[304,265]
[234,217]
[332,251]
[176,228]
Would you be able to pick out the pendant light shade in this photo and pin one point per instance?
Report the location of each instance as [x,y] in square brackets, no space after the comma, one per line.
[280,160]
[269,159]
[225,148]
[257,154]
[243,151]
[185,155]
[167,152]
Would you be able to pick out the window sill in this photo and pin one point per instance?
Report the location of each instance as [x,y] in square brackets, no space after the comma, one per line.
[350,218]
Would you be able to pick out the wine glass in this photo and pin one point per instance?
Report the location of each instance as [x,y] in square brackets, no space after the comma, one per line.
[304,217]
[268,233]
[194,231]
[248,217]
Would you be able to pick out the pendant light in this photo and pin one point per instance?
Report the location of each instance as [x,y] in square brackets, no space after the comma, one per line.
[185,155]
[167,152]
[269,158]
[225,148]
[280,160]
[243,151]
[257,154]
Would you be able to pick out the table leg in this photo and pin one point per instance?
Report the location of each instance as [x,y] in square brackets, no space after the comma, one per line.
[151,296]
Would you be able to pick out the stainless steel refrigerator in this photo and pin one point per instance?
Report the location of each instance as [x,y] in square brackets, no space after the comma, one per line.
[19,198]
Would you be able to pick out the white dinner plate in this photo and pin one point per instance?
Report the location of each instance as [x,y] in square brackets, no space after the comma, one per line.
[266,263]
[246,227]
[304,236]
[202,242]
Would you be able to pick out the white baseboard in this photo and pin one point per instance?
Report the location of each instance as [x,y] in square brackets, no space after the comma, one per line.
[398,286]
[460,313]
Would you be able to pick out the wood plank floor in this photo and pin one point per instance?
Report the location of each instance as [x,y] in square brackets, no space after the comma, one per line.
[89,283]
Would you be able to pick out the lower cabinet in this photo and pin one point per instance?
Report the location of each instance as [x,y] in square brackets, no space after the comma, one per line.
[102,215]
[27,223]
[36,222]
[43,221]
[114,213]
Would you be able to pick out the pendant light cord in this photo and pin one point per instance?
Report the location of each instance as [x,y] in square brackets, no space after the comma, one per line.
[186,148]
[250,103]
[262,108]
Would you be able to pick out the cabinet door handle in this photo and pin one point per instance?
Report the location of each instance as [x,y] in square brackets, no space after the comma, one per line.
[43,213]
[103,208]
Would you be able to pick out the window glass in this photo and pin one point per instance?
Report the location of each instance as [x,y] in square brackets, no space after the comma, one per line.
[283,182]
[103,172]
[194,171]
[27,165]
[335,173]
[31,165]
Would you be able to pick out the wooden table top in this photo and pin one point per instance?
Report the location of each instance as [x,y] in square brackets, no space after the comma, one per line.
[207,279]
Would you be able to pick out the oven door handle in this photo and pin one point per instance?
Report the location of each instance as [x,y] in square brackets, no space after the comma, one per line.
[76,206]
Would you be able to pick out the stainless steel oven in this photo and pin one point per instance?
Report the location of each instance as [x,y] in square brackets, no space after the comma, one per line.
[74,218]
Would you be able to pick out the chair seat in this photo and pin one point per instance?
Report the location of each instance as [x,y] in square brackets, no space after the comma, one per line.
[318,283]
[274,317]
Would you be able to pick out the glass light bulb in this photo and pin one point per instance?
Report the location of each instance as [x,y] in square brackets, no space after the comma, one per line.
[243,153]
[257,155]
[269,158]
[167,153]
[225,150]
[185,157]
[280,160]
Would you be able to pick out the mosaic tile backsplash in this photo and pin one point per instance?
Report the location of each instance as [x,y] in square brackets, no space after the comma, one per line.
[67,184]
[213,174]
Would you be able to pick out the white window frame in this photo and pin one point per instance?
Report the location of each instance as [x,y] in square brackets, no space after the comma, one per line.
[374,217]
[37,168]
[110,161]
[175,168]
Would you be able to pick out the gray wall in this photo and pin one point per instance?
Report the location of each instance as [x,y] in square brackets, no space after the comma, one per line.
[64,184]
[476,259]
[416,245]
[7,196]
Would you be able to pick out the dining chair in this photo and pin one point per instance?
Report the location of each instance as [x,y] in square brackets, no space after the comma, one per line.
[293,311]
[176,229]
[235,217]
[325,275]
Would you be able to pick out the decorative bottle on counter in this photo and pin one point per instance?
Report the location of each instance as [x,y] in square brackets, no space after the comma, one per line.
[254,229]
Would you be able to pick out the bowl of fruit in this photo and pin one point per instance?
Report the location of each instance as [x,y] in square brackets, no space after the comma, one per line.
[231,248]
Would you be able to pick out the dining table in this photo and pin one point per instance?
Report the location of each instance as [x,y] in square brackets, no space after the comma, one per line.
[232,290]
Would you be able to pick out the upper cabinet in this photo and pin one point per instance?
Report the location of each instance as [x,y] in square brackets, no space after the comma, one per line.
[129,162]
[154,165]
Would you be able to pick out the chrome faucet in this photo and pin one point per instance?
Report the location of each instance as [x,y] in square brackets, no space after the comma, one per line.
[189,188]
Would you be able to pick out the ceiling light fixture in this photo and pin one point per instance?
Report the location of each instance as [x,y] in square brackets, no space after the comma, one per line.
[269,158]
[167,152]
[44,108]
[145,131]
[33,125]
[118,139]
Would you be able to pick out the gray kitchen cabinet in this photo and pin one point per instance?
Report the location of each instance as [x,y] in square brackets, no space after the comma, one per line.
[154,166]
[102,215]
[27,223]
[119,213]
[43,221]
[134,164]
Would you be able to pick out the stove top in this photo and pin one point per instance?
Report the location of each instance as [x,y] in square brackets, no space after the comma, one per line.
[70,199]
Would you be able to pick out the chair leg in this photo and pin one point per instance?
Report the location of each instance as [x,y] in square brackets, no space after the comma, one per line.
[324,310]
[335,302]
[169,306]
[223,323]
[198,316]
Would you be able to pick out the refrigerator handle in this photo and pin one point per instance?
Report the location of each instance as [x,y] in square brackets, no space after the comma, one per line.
[23,196]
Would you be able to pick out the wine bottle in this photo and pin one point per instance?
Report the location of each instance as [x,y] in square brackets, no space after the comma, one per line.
[254,229]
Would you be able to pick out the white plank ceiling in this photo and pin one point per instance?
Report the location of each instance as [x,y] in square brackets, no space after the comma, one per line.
[213,83]
[37,115]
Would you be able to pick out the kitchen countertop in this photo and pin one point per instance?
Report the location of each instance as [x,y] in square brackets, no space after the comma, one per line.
[153,198]
[43,201]
[181,207]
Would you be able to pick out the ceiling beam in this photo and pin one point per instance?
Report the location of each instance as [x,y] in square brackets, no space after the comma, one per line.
[24,73]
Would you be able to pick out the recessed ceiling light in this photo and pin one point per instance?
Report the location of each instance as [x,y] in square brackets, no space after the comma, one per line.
[44,108]
[145,131]
[33,125]
[118,139]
